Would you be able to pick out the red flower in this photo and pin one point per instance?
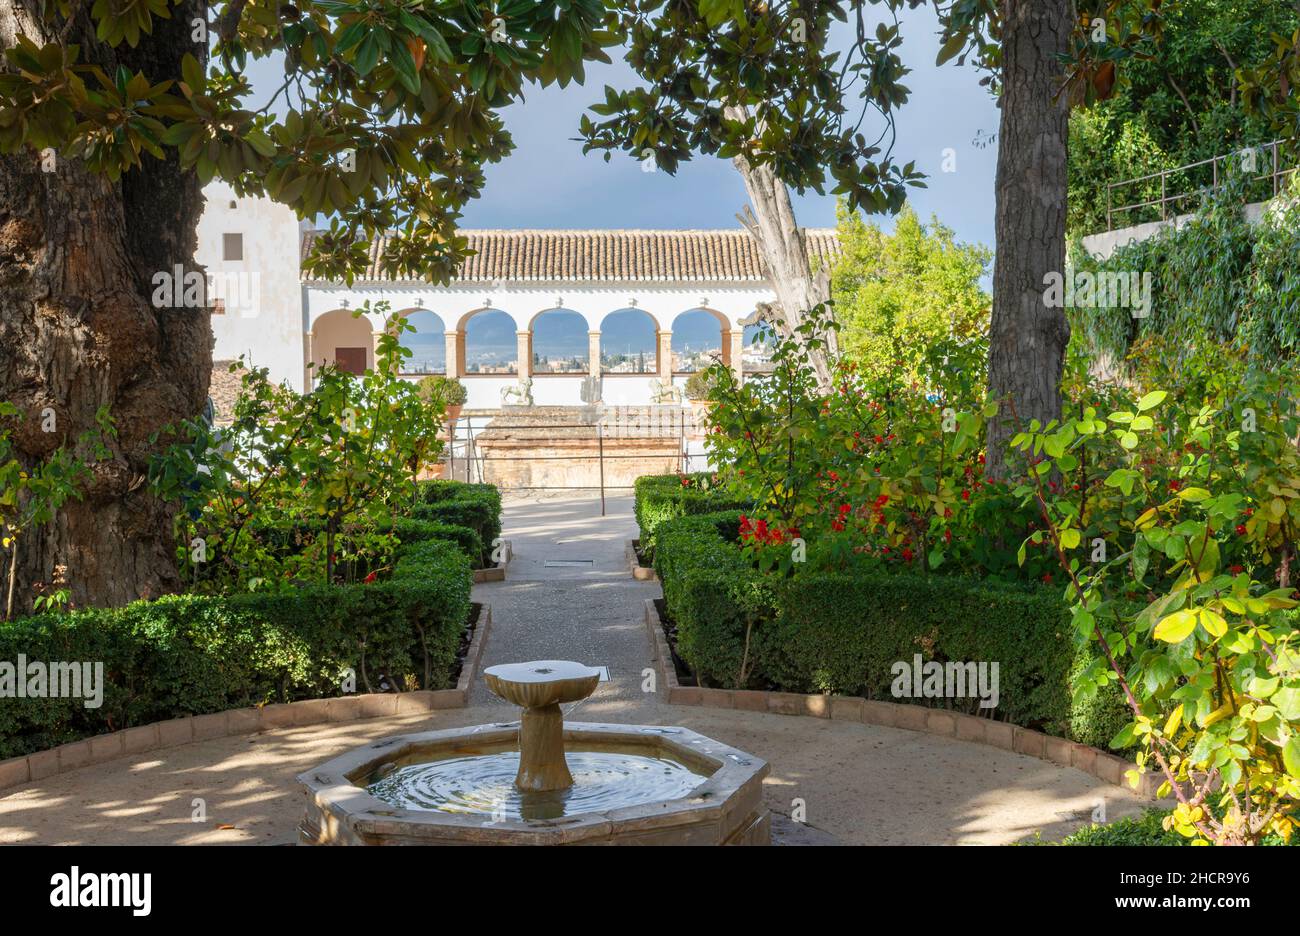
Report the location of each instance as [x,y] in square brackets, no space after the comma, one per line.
[907,554]
[947,536]
[877,439]
[1241,529]
[837,525]
[1047,577]
[965,495]
[882,500]
[370,578]
[845,508]
[1235,570]
[1174,485]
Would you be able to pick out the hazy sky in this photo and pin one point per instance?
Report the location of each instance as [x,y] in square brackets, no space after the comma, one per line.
[548,183]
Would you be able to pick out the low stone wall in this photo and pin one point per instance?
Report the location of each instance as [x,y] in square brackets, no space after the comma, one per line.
[1004,735]
[177,731]
[639,572]
[496,573]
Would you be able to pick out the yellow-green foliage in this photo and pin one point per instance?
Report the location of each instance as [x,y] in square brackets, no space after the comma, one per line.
[897,293]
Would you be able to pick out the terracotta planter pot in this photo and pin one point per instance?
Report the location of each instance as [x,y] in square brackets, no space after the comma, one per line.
[453,412]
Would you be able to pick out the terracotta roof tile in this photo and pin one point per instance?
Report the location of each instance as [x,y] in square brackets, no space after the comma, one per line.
[612,255]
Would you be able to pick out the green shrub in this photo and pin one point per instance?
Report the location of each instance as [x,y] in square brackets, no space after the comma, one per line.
[477,506]
[841,633]
[194,654]
[663,497]
[1144,830]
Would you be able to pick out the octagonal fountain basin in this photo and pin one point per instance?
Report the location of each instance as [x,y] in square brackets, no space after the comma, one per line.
[631,784]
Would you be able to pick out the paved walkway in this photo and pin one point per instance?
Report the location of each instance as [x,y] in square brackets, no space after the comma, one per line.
[861,784]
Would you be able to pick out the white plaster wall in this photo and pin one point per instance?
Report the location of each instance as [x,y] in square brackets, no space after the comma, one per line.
[523,302]
[1104,244]
[264,310]
[626,389]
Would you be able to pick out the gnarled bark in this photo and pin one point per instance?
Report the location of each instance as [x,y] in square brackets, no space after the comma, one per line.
[78,330]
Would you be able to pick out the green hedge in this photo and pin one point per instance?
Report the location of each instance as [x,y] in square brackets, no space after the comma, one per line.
[287,537]
[841,633]
[477,506]
[664,497]
[1145,830]
[194,654]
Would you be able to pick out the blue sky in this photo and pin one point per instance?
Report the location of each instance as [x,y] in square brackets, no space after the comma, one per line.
[548,183]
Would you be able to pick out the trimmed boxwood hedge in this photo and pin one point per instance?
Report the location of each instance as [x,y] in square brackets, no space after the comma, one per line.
[476,506]
[194,654]
[840,633]
[664,497]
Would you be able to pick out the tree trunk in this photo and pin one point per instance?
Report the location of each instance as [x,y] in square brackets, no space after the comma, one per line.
[78,329]
[1027,339]
[781,242]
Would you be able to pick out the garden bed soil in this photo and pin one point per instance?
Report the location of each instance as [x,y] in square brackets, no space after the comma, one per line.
[684,675]
[466,639]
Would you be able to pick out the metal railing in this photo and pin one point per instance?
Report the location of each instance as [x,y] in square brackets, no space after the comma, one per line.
[1186,188]
[468,456]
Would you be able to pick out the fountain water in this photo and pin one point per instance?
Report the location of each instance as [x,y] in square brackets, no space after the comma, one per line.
[576,783]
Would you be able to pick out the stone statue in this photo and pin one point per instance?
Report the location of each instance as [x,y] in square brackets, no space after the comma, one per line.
[590,392]
[663,391]
[521,393]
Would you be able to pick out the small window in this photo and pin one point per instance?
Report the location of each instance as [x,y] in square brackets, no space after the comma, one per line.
[232,246]
[218,307]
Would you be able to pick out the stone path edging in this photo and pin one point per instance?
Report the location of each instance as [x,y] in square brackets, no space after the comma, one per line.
[1004,735]
[496,573]
[639,572]
[16,771]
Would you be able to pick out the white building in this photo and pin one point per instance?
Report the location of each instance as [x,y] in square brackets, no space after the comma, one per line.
[534,286]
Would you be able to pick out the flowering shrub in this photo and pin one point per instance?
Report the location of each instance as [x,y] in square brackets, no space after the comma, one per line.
[341,459]
[882,471]
[1179,568]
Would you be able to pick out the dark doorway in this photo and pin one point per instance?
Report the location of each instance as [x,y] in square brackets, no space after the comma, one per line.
[351,360]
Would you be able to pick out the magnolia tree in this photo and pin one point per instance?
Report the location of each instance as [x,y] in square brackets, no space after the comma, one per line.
[114,114]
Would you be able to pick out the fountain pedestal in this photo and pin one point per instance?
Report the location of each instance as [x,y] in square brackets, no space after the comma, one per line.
[539,688]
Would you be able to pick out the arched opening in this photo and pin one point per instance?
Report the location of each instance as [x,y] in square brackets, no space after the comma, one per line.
[628,344]
[698,340]
[559,341]
[490,343]
[427,344]
[343,339]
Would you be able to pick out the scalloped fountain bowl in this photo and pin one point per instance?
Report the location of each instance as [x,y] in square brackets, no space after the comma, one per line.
[539,781]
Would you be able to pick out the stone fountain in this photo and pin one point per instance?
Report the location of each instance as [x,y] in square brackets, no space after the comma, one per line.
[539,781]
